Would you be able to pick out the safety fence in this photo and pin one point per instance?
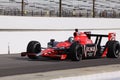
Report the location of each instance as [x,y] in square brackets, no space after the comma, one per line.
[69,8]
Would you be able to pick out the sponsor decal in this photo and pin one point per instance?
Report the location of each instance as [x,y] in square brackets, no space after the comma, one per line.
[90,51]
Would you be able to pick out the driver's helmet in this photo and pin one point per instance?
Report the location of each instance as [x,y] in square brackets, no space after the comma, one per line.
[70,39]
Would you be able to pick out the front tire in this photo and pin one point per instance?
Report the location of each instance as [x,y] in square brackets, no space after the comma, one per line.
[34,47]
[113,49]
[76,52]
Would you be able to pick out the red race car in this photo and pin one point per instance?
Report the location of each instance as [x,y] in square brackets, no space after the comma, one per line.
[76,48]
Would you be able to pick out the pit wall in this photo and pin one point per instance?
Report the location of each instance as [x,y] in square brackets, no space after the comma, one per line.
[16,32]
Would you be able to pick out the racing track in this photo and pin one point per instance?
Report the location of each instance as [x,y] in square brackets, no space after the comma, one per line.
[14,64]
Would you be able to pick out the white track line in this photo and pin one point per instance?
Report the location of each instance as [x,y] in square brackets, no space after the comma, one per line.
[99,76]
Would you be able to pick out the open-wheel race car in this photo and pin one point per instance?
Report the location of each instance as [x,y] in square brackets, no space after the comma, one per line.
[76,48]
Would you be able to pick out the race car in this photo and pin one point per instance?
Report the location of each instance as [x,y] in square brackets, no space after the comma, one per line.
[79,46]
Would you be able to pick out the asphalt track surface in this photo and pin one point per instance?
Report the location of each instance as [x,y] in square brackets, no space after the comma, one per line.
[14,64]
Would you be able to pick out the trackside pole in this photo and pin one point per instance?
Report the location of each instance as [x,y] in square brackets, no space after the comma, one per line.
[8,48]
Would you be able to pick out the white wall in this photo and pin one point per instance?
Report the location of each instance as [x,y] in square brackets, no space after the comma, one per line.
[17,40]
[7,22]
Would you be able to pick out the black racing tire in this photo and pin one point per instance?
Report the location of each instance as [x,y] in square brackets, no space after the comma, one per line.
[113,49]
[33,47]
[75,52]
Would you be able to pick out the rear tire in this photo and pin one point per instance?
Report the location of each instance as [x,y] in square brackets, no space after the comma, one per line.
[33,47]
[113,49]
[76,52]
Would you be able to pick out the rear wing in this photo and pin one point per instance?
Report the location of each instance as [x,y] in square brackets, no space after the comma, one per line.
[110,36]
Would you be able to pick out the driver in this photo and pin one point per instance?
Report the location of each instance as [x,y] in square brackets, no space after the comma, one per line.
[70,39]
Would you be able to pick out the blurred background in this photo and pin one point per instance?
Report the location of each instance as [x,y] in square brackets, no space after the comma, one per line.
[61,8]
